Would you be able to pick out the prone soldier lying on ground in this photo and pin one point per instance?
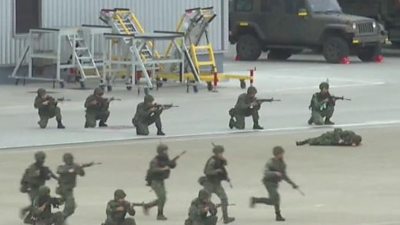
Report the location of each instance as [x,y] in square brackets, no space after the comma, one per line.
[335,137]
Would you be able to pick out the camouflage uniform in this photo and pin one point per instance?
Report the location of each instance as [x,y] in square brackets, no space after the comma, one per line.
[321,109]
[144,117]
[97,109]
[275,172]
[34,177]
[202,211]
[116,216]
[67,183]
[41,209]
[335,137]
[47,111]
[160,169]
[245,106]
[215,172]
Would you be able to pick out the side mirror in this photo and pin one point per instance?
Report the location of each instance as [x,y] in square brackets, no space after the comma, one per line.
[302,13]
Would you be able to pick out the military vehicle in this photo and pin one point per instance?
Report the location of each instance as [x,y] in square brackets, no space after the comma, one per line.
[386,12]
[286,27]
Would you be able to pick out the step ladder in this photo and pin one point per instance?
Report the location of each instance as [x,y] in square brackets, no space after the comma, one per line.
[82,57]
[206,51]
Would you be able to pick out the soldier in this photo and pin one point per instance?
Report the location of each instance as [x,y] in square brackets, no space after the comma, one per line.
[118,208]
[246,105]
[202,211]
[34,177]
[215,172]
[97,109]
[160,169]
[147,113]
[67,182]
[275,172]
[41,209]
[322,106]
[337,137]
[47,109]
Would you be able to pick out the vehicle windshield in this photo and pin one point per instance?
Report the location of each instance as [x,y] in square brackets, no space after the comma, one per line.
[324,6]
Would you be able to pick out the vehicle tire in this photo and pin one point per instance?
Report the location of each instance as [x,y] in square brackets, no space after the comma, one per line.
[369,53]
[279,54]
[248,47]
[396,44]
[335,49]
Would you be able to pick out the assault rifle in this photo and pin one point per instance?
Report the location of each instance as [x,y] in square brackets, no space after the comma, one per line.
[220,205]
[90,164]
[334,98]
[165,106]
[262,100]
[178,156]
[63,99]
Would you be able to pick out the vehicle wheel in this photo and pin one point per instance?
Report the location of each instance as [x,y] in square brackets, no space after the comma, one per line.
[396,44]
[129,87]
[62,85]
[248,47]
[109,88]
[209,86]
[279,54]
[195,89]
[368,54]
[335,49]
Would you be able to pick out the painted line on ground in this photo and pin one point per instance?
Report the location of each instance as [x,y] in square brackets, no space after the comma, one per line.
[197,136]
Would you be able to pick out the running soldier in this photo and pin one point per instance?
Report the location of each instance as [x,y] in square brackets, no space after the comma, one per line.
[215,172]
[34,177]
[47,109]
[202,211]
[118,208]
[160,169]
[275,172]
[334,138]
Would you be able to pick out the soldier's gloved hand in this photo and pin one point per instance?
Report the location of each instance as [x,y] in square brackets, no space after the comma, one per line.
[295,186]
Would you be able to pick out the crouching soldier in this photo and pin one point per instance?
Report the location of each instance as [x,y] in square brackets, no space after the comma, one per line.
[47,109]
[202,211]
[97,109]
[41,209]
[118,208]
[147,113]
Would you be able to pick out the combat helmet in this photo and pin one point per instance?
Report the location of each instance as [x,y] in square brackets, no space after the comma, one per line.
[251,90]
[161,148]
[204,194]
[40,156]
[119,194]
[98,91]
[323,85]
[68,158]
[44,191]
[148,99]
[41,91]
[277,150]
[217,149]
[356,139]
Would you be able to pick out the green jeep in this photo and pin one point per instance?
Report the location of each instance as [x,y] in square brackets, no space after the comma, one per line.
[286,27]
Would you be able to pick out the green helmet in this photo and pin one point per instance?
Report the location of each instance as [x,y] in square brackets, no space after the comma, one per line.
[148,99]
[251,90]
[203,194]
[161,148]
[40,156]
[41,91]
[119,194]
[323,85]
[277,150]
[68,158]
[356,139]
[217,149]
[98,91]
[44,191]
[337,130]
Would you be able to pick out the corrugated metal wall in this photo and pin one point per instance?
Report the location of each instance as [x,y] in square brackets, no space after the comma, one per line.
[153,14]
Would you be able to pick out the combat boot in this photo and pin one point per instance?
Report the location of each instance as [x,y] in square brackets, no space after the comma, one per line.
[329,122]
[60,125]
[102,124]
[231,123]
[256,126]
[160,215]
[301,142]
[229,219]
[252,202]
[279,217]
[160,133]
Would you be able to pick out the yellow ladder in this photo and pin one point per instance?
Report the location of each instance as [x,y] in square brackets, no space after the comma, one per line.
[210,63]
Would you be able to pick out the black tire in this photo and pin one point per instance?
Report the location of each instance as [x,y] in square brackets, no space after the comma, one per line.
[248,47]
[279,54]
[82,84]
[195,89]
[129,88]
[396,44]
[335,49]
[242,84]
[369,53]
[109,88]
[62,85]
[209,86]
